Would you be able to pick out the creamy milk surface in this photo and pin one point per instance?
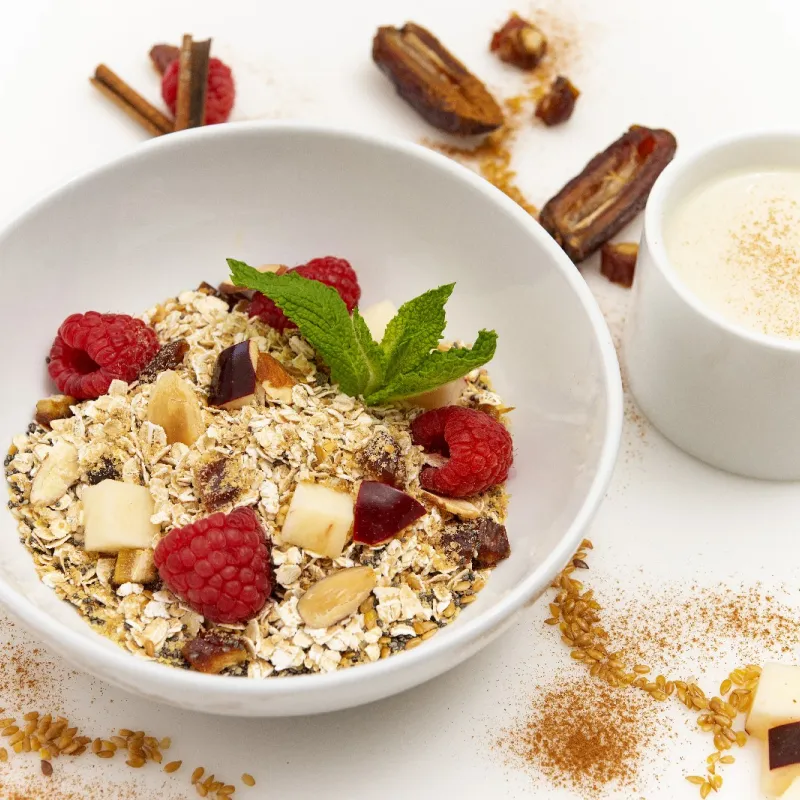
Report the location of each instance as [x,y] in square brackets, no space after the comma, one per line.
[735,242]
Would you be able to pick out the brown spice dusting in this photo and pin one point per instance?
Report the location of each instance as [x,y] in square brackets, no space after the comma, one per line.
[492,158]
[583,735]
[676,624]
[578,615]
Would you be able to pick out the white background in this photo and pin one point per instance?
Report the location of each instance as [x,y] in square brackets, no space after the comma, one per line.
[704,69]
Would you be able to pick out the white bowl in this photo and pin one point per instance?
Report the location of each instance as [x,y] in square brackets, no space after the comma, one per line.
[165,217]
[725,394]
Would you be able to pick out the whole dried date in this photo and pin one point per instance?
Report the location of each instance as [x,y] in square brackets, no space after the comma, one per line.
[558,104]
[610,191]
[519,42]
[433,82]
[618,262]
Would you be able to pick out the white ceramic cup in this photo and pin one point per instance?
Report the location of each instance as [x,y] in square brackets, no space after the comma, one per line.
[725,394]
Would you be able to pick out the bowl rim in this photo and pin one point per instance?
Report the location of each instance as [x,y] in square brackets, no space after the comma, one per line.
[664,193]
[67,640]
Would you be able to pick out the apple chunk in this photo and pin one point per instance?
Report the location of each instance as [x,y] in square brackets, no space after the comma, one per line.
[116,516]
[793,792]
[235,383]
[782,760]
[378,317]
[446,395]
[319,519]
[777,699]
[382,512]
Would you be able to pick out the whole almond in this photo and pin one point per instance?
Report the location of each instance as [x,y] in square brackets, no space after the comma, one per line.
[333,598]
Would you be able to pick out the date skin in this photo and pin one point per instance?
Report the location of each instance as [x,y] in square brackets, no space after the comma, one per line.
[520,43]
[434,82]
[618,262]
[610,191]
[559,102]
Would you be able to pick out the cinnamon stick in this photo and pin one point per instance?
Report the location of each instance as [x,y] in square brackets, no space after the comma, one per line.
[130,101]
[190,111]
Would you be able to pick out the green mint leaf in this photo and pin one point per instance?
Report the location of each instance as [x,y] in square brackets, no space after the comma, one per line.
[436,369]
[322,317]
[415,331]
[371,355]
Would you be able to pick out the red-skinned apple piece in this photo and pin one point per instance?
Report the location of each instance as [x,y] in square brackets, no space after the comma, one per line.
[382,512]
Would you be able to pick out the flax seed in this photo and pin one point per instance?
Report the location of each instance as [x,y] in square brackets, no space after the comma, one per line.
[248,780]
[3,754]
[197,774]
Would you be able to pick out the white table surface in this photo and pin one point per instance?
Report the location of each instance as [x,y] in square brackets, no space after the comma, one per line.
[702,68]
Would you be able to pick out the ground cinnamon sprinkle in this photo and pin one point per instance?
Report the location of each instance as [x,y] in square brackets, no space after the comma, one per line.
[492,158]
[588,737]
[582,621]
[675,624]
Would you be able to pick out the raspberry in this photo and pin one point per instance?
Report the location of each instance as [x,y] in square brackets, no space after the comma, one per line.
[219,565]
[479,449]
[221,91]
[92,349]
[335,272]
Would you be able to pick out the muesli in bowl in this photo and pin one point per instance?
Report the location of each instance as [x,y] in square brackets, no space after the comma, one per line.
[258,479]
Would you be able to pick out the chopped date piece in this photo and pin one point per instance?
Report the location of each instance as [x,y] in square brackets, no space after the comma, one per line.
[51,408]
[162,55]
[233,295]
[610,191]
[170,356]
[434,82]
[559,102]
[382,459]
[219,481]
[618,262]
[104,469]
[483,543]
[213,652]
[519,42]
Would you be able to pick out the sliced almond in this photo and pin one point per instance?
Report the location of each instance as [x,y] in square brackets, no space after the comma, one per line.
[58,472]
[134,566]
[338,596]
[275,380]
[461,508]
[174,406]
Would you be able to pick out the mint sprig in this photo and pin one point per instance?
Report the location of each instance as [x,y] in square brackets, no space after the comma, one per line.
[404,364]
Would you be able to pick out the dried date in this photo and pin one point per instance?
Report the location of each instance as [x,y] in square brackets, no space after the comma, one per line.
[482,542]
[610,191]
[558,104]
[382,460]
[618,262]
[520,43]
[218,481]
[434,82]
[162,55]
[212,653]
[170,356]
[52,408]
